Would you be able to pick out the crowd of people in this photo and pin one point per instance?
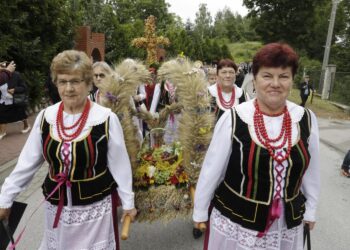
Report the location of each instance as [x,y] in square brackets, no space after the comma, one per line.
[259,181]
[12,84]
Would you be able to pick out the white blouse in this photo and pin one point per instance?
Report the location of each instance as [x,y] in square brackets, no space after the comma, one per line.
[31,157]
[218,155]
[227,96]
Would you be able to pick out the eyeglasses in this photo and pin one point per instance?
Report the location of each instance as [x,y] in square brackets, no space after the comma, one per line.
[99,75]
[73,82]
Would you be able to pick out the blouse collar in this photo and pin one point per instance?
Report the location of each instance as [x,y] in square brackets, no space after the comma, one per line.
[98,114]
[246,111]
[214,92]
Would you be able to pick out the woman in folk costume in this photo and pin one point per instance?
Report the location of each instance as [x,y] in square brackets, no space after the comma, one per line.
[102,71]
[261,171]
[225,93]
[83,144]
[150,87]
[164,96]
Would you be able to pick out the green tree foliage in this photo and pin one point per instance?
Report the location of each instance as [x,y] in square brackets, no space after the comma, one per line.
[32,32]
[340,53]
[293,22]
[121,21]
[227,25]
[203,22]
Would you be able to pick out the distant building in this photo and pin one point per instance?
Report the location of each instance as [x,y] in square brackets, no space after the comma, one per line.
[93,44]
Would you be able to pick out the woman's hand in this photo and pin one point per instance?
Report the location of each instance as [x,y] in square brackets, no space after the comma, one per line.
[310,223]
[4,213]
[131,212]
[202,226]
[137,98]
[345,173]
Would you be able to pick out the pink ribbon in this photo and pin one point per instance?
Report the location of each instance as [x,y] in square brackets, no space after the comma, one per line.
[61,178]
[275,209]
[274,213]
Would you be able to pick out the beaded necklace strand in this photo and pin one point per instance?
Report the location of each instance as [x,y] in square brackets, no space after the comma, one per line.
[225,104]
[264,139]
[79,124]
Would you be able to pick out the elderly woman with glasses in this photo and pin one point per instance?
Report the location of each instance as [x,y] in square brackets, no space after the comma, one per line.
[88,164]
[261,171]
[101,72]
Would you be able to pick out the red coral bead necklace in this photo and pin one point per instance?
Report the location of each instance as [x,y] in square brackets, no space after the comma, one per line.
[79,124]
[225,104]
[264,139]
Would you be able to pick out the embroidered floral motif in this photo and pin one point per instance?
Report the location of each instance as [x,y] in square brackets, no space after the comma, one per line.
[51,240]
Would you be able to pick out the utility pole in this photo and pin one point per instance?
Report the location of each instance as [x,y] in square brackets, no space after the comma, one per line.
[326,84]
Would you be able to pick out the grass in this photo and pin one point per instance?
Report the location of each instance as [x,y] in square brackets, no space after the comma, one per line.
[244,52]
[322,108]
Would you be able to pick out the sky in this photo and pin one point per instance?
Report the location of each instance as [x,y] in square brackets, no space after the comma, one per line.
[188,8]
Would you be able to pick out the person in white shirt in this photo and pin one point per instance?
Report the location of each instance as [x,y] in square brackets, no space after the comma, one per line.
[225,93]
[260,178]
[84,146]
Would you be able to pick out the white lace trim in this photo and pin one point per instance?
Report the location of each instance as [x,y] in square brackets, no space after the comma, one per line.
[246,110]
[98,114]
[77,215]
[246,238]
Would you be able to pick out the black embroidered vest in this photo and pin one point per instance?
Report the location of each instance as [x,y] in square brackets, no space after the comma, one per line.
[219,112]
[90,178]
[246,194]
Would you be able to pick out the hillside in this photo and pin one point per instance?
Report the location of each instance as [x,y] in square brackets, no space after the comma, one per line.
[244,52]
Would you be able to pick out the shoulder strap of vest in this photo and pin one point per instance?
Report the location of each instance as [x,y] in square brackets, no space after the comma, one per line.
[243,97]
[107,128]
[308,120]
[233,122]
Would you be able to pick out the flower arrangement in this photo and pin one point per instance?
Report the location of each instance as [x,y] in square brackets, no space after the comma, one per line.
[161,166]
[160,181]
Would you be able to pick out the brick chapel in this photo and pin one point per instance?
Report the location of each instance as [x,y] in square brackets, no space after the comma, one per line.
[93,44]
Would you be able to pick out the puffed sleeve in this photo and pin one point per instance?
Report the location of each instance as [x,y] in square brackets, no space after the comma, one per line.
[311,181]
[119,162]
[29,161]
[214,167]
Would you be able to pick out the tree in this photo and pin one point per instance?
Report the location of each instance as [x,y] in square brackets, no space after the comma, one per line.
[203,22]
[340,54]
[289,21]
[38,30]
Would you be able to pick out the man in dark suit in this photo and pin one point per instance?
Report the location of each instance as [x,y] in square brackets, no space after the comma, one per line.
[305,90]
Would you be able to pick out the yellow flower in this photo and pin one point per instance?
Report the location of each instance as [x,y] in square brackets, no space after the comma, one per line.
[203,130]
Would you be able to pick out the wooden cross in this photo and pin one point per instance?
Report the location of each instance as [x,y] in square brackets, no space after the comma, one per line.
[150,40]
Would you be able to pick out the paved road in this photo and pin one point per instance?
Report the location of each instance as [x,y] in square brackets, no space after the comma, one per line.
[331,230]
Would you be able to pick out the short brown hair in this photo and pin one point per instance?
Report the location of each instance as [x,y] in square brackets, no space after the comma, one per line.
[70,61]
[275,55]
[226,63]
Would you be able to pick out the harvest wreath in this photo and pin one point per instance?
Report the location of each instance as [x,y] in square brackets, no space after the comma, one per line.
[160,182]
